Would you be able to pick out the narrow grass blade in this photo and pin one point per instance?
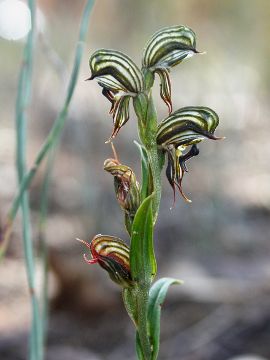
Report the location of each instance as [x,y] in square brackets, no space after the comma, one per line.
[53,135]
[22,103]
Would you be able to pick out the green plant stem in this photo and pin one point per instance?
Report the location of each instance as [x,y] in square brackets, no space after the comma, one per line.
[136,303]
[22,103]
[147,124]
[139,347]
[44,305]
[154,155]
[142,294]
[55,132]
[43,248]
[155,169]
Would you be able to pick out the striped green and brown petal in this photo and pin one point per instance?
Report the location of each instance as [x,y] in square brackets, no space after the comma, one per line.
[126,186]
[165,49]
[185,127]
[112,254]
[120,79]
[165,87]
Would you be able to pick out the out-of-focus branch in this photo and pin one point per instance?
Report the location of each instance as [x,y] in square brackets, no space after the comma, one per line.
[53,135]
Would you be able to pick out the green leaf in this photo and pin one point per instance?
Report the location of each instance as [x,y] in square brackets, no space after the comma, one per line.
[129,299]
[142,258]
[157,295]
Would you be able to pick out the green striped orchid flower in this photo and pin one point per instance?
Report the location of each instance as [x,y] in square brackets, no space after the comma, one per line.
[185,127]
[165,49]
[120,79]
[112,254]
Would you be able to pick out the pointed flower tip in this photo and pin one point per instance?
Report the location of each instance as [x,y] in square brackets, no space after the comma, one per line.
[183,194]
[90,78]
[83,242]
[169,106]
[214,137]
[89,261]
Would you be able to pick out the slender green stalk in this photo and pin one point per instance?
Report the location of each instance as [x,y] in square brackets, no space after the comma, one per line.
[139,347]
[44,203]
[142,295]
[55,132]
[154,157]
[43,249]
[147,125]
[22,103]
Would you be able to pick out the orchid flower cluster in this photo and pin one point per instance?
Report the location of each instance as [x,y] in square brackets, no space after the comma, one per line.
[176,138]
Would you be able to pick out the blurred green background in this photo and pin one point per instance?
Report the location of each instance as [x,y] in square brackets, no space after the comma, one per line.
[219,245]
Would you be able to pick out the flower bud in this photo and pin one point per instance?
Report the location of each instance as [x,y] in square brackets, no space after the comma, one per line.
[112,254]
[126,186]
